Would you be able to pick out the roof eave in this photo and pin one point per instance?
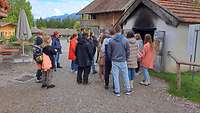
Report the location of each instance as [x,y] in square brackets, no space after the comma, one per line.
[3,15]
[101,12]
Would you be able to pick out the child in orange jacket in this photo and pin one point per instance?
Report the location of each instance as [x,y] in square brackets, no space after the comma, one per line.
[147,59]
[48,63]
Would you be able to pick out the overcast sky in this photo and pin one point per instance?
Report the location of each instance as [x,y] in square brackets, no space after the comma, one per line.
[47,8]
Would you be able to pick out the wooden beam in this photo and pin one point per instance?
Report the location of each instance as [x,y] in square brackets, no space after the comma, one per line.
[178,70]
[178,76]
[130,10]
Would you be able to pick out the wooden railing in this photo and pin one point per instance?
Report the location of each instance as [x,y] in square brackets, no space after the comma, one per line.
[178,68]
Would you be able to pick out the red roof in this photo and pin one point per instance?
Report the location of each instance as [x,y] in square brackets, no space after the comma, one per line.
[187,10]
[103,6]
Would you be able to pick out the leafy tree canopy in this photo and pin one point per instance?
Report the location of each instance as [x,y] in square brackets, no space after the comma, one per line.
[15,6]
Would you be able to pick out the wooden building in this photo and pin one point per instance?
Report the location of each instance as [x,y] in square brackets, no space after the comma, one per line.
[7,30]
[174,22]
[103,14]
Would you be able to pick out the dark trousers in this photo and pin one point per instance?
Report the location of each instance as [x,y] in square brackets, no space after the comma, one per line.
[39,74]
[85,71]
[138,69]
[74,65]
[108,66]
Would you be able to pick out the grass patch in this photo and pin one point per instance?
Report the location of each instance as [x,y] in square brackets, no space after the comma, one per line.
[189,89]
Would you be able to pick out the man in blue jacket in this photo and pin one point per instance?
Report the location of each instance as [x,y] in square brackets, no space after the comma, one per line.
[57,46]
[119,52]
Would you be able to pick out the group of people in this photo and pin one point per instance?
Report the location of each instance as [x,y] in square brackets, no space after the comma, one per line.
[82,54]
[46,53]
[117,53]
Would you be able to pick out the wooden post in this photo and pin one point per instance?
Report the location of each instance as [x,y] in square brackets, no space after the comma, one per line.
[178,76]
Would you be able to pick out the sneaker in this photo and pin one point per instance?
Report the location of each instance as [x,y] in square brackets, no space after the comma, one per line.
[38,81]
[43,86]
[145,83]
[142,82]
[94,72]
[85,82]
[117,94]
[106,87]
[129,92]
[51,86]
[79,82]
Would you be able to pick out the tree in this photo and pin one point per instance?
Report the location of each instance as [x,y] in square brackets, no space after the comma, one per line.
[77,25]
[57,23]
[40,23]
[16,5]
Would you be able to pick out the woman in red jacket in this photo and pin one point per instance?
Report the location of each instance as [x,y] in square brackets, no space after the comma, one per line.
[72,49]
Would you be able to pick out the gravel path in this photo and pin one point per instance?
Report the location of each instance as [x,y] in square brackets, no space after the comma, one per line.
[68,97]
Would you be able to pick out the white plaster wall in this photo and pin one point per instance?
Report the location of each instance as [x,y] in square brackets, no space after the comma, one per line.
[175,41]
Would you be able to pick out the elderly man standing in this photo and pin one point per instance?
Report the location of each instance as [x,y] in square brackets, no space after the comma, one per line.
[57,46]
[119,52]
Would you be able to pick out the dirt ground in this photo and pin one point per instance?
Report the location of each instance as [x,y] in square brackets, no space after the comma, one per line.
[68,97]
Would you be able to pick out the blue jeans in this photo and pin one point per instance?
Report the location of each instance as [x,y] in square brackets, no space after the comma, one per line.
[93,65]
[118,67]
[146,74]
[57,58]
[131,73]
[74,65]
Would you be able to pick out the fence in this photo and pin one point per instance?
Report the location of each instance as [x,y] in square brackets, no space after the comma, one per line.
[178,66]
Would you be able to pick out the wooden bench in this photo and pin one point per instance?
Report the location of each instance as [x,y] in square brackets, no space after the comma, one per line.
[7,54]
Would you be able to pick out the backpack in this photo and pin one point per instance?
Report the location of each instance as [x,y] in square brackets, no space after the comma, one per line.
[37,54]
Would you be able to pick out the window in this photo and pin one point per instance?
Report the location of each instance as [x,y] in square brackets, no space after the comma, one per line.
[93,16]
[88,16]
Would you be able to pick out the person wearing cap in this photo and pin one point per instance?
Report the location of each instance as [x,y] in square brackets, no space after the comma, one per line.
[57,46]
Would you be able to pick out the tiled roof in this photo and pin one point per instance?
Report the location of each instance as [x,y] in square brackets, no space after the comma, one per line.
[6,23]
[186,10]
[102,6]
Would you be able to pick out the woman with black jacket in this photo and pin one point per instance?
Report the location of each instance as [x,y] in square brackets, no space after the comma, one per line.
[84,59]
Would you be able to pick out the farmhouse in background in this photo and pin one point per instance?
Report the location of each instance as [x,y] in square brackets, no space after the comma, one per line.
[173,22]
[7,30]
[103,14]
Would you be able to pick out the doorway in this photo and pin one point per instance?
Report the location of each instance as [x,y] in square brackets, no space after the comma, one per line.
[144,31]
